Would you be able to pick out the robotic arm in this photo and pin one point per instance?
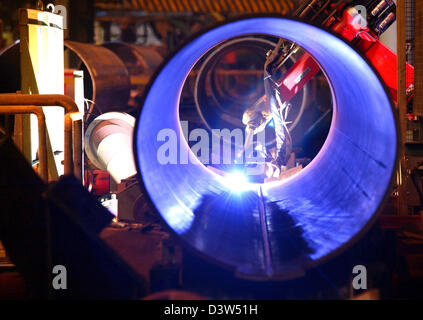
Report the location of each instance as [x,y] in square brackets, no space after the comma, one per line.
[343,18]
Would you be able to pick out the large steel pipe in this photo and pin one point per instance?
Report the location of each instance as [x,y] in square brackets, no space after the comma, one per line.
[279,229]
[106,79]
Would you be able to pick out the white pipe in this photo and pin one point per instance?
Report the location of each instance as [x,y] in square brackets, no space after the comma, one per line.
[108,144]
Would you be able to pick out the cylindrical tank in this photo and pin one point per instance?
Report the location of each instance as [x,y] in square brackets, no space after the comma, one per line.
[275,230]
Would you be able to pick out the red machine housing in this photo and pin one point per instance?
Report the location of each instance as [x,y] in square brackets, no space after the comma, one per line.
[379,55]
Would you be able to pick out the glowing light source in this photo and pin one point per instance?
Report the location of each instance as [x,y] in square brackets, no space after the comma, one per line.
[237,182]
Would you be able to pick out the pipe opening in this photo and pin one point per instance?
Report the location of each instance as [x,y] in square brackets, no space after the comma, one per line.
[225,91]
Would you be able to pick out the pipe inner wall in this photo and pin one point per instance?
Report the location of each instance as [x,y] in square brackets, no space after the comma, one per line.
[275,230]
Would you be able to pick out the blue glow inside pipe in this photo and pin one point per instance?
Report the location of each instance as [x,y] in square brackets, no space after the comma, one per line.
[288,226]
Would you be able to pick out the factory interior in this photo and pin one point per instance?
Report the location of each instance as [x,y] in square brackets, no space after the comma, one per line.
[211,150]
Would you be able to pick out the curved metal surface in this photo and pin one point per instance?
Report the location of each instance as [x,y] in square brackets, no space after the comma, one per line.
[141,63]
[300,100]
[277,229]
[137,59]
[108,82]
[203,77]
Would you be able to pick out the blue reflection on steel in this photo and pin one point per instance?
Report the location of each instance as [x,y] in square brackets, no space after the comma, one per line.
[307,217]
